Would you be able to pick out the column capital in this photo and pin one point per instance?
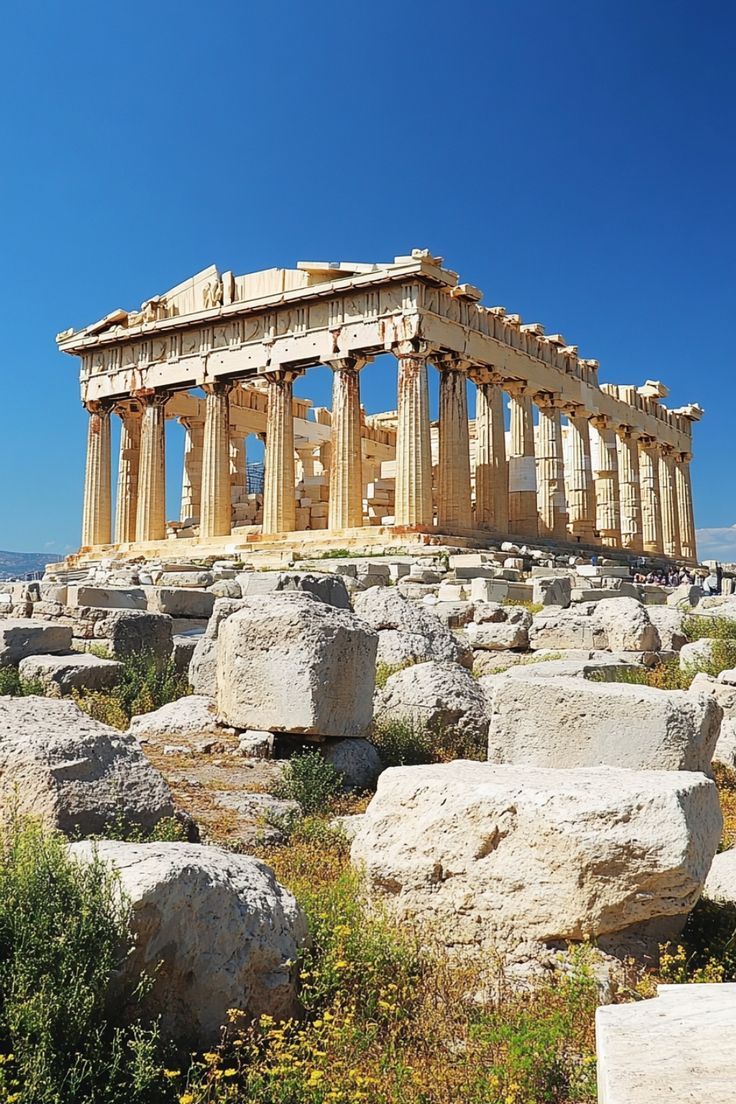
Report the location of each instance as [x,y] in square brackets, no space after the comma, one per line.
[647,442]
[450,362]
[574,409]
[664,449]
[413,350]
[481,374]
[601,422]
[282,374]
[218,387]
[515,388]
[683,457]
[547,400]
[626,432]
[150,396]
[127,409]
[348,363]
[103,407]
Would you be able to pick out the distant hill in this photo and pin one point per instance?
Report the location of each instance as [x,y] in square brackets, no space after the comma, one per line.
[14,565]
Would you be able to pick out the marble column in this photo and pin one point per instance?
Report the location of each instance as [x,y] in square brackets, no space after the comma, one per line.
[128,463]
[629,489]
[150,521]
[685,515]
[97,510]
[522,464]
[346,475]
[605,480]
[581,504]
[191,482]
[413,444]
[454,510]
[551,498]
[215,518]
[491,467]
[668,501]
[651,512]
[279,491]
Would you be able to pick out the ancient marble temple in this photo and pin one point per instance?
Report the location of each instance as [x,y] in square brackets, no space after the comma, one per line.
[581,462]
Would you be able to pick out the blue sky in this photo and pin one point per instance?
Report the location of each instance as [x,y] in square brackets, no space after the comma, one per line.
[575,160]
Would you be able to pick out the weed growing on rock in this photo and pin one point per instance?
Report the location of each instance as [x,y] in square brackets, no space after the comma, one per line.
[11,684]
[145,684]
[312,782]
[401,743]
[384,671]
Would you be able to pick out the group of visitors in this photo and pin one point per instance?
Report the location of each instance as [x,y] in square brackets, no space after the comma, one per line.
[661,577]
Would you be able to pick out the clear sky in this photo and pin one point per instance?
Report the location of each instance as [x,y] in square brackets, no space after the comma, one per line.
[575,160]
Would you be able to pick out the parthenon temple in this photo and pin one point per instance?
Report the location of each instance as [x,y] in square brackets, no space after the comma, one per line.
[598,464]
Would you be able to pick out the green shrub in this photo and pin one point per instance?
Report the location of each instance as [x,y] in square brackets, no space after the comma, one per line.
[400,743]
[696,627]
[13,685]
[145,684]
[312,782]
[384,671]
[63,929]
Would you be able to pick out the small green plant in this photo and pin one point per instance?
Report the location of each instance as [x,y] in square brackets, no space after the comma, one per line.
[63,931]
[311,781]
[530,607]
[697,627]
[401,743]
[145,684]
[384,671]
[12,685]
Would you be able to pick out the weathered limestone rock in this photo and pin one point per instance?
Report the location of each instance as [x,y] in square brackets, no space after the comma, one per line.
[185,579]
[74,773]
[186,718]
[357,761]
[626,624]
[725,749]
[182,651]
[566,628]
[570,722]
[552,591]
[443,697]
[106,597]
[226,588]
[131,632]
[290,663]
[507,856]
[407,631]
[499,628]
[21,637]
[212,929]
[698,654]
[723,692]
[720,885]
[681,1044]
[685,596]
[77,671]
[203,665]
[668,622]
[329,587]
[181,601]
[604,670]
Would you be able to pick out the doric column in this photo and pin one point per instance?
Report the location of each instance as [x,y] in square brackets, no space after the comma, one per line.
[522,465]
[215,517]
[96,514]
[629,489]
[127,497]
[491,467]
[150,522]
[551,498]
[238,467]
[668,500]
[346,475]
[413,444]
[605,480]
[651,513]
[685,515]
[581,505]
[279,501]
[191,481]
[454,509]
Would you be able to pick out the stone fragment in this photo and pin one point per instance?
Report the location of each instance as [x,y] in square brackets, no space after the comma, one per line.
[213,930]
[571,722]
[256,745]
[185,579]
[289,663]
[73,773]
[407,631]
[499,632]
[725,750]
[192,717]
[504,857]
[131,632]
[328,587]
[183,645]
[441,697]
[72,672]
[566,628]
[699,653]
[181,601]
[203,665]
[668,622]
[356,760]
[552,591]
[681,1047]
[106,597]
[21,637]
[226,588]
[626,625]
